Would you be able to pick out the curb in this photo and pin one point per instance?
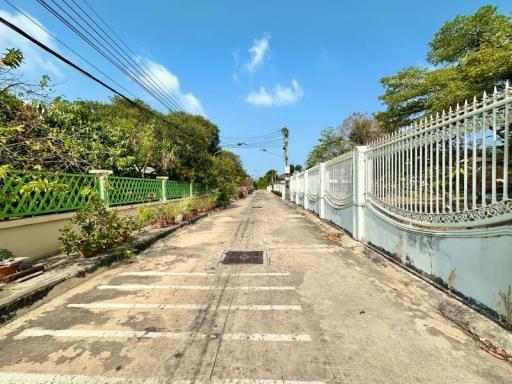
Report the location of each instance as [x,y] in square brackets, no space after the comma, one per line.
[33,298]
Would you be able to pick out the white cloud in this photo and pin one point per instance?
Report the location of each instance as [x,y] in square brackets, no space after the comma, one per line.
[278,96]
[170,83]
[34,61]
[258,53]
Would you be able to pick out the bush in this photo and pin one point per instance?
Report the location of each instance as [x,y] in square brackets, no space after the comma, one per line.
[97,229]
[5,254]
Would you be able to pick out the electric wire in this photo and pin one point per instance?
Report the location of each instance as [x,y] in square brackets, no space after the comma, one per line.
[147,77]
[67,46]
[133,54]
[96,46]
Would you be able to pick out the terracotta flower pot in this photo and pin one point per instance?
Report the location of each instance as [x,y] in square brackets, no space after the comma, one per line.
[86,254]
[9,268]
[160,223]
[170,221]
[187,216]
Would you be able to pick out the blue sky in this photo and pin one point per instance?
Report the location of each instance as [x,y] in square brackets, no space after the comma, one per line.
[253,67]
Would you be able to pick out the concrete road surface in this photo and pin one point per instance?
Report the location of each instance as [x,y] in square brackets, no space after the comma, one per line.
[319,312]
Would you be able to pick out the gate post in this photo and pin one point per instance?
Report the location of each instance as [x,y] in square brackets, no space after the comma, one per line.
[102,175]
[164,193]
[306,200]
[322,183]
[359,192]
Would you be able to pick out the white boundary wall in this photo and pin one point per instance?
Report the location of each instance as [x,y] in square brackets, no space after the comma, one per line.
[433,196]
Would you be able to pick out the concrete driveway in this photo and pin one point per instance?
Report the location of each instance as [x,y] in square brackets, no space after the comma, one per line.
[319,312]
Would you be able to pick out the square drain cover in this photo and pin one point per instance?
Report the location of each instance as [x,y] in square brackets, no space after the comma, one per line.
[243,257]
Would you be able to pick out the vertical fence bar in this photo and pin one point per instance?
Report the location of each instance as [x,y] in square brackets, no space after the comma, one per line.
[420,174]
[443,172]
[411,175]
[457,166]
[415,175]
[466,168]
[494,140]
[474,171]
[431,139]
[399,184]
[437,170]
[484,151]
[425,172]
[505,145]
[450,168]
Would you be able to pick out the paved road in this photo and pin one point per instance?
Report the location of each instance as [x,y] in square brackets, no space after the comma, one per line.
[320,312]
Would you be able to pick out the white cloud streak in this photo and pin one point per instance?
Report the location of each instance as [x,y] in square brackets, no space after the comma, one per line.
[258,52]
[35,63]
[169,82]
[278,96]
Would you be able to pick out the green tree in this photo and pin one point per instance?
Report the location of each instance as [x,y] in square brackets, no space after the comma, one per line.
[226,176]
[330,145]
[470,54]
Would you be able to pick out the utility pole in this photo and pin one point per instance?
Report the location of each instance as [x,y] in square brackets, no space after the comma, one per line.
[285,133]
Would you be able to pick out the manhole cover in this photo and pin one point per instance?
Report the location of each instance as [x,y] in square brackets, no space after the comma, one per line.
[243,257]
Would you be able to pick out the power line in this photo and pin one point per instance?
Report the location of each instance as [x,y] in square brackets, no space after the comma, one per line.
[122,42]
[63,59]
[67,46]
[101,49]
[77,68]
[148,79]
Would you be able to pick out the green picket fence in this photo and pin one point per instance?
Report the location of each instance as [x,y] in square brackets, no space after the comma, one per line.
[24,193]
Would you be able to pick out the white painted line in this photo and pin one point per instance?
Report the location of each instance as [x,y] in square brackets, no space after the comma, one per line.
[83,333]
[249,307]
[162,273]
[265,337]
[36,378]
[136,287]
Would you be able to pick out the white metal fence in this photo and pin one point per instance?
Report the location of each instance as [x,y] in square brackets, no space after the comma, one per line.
[435,195]
[451,170]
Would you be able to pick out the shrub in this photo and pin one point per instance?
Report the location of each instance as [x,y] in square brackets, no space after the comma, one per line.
[5,254]
[145,216]
[97,229]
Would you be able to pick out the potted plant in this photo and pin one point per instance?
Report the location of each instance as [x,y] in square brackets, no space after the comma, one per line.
[160,217]
[8,264]
[145,216]
[185,208]
[172,210]
[93,228]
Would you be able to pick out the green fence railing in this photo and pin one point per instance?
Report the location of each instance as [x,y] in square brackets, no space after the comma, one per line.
[130,190]
[39,193]
[28,193]
[176,190]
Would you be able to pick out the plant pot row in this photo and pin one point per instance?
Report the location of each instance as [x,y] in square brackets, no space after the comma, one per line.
[187,216]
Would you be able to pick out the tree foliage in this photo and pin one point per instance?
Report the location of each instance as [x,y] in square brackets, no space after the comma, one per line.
[268,178]
[41,133]
[469,54]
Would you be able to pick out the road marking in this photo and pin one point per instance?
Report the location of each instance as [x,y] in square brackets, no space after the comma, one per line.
[162,273]
[249,307]
[82,333]
[136,287]
[36,378]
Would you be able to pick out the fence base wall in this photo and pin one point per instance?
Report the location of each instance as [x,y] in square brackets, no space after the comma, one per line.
[475,263]
[340,217]
[37,237]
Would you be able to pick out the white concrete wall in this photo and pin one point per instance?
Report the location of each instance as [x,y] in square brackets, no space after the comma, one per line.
[480,259]
[36,237]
